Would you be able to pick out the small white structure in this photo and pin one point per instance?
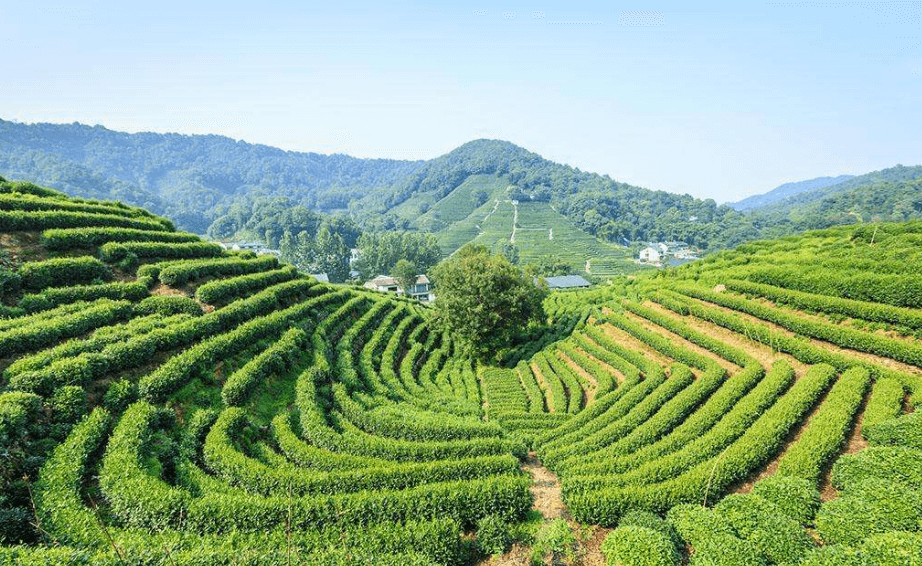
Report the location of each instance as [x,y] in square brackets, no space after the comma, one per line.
[421,290]
[650,255]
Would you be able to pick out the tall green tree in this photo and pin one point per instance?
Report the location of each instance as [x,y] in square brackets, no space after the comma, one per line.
[483,300]
[405,273]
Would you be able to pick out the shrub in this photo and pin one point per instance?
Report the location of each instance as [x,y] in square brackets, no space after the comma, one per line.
[119,395]
[68,404]
[493,535]
[633,545]
[836,555]
[62,272]
[650,521]
[795,497]
[779,538]
[555,540]
[903,431]
[897,548]
[872,506]
[167,305]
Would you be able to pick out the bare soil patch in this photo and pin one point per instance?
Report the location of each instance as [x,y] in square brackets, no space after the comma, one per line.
[546,488]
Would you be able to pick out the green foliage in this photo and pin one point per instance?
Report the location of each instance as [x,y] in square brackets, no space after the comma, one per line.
[324,252]
[113,252]
[796,497]
[904,431]
[18,412]
[54,296]
[556,542]
[67,239]
[223,291]
[180,273]
[167,305]
[483,300]
[381,251]
[634,545]
[65,271]
[779,538]
[493,535]
[68,404]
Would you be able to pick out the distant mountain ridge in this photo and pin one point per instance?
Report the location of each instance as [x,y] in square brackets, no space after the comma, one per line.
[787,190]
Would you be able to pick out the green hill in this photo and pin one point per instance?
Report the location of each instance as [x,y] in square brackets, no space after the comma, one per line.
[164,401]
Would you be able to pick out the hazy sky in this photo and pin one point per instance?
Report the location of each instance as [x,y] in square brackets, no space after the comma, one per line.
[718,101]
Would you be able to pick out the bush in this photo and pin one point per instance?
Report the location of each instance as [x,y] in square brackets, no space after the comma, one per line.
[555,540]
[117,251]
[633,545]
[62,272]
[18,412]
[493,535]
[712,537]
[54,296]
[873,506]
[65,239]
[797,498]
[119,395]
[836,555]
[652,521]
[902,431]
[167,305]
[68,404]
[779,538]
[898,548]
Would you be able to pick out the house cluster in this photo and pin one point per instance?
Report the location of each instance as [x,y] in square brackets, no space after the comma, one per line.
[421,290]
[256,247]
[667,254]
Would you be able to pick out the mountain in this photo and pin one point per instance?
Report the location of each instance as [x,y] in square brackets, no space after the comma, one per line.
[490,191]
[892,195]
[191,179]
[213,184]
[786,190]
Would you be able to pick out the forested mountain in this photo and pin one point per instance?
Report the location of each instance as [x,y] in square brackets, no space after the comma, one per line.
[893,194]
[191,179]
[786,190]
[197,180]
[225,188]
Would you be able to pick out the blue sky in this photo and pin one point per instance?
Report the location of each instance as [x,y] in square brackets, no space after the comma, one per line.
[718,101]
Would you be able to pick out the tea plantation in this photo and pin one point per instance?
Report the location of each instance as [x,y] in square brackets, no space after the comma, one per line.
[167,402]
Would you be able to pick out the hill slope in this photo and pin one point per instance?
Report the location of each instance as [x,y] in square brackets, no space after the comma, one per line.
[167,402]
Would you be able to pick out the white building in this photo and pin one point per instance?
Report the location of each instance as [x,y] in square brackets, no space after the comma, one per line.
[650,255]
[421,290]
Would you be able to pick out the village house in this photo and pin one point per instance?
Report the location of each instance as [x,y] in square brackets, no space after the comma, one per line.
[650,255]
[421,290]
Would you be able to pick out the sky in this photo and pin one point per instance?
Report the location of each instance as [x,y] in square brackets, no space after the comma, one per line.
[716,100]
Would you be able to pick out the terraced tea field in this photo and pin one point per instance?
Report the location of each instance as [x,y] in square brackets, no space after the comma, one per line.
[167,402]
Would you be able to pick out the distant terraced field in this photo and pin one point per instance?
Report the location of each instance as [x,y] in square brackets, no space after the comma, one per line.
[167,402]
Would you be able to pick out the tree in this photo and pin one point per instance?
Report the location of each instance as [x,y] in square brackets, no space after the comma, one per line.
[405,273]
[483,300]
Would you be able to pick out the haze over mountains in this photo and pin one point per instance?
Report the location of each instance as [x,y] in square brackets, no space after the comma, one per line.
[225,188]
